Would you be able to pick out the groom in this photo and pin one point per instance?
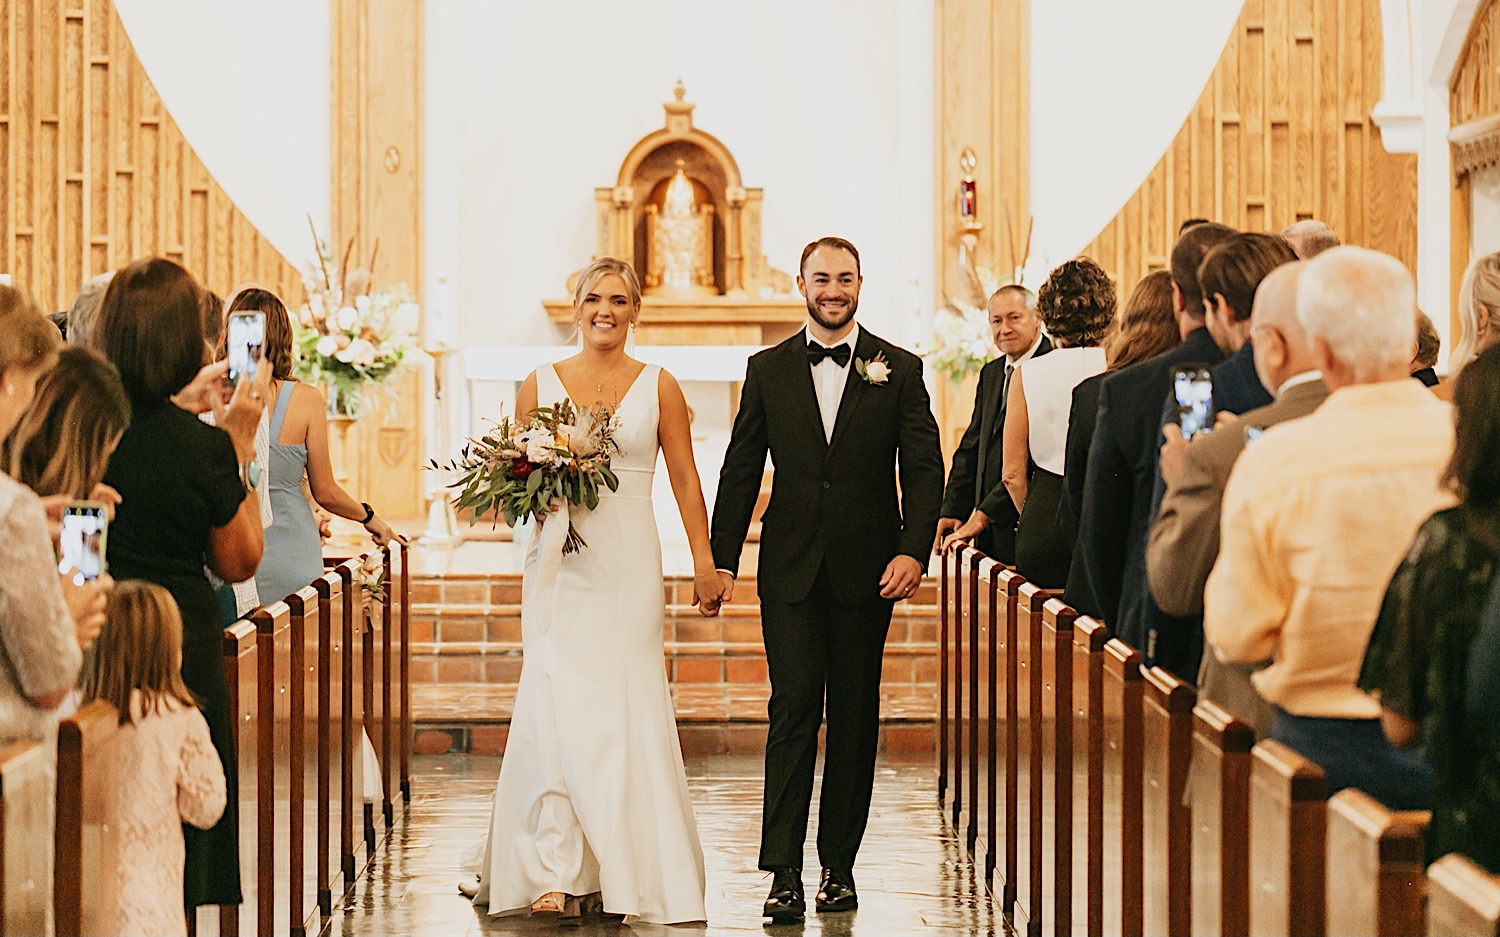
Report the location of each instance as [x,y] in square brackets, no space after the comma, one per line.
[834,406]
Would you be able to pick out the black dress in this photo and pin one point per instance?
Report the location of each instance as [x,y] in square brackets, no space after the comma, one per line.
[178,478]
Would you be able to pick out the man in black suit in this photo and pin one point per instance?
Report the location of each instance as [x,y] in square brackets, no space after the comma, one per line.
[1115,520]
[834,406]
[974,478]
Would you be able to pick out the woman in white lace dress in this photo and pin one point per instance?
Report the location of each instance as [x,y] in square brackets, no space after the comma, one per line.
[163,766]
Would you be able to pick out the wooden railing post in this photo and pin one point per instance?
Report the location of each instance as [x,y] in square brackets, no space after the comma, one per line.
[86,901]
[958,650]
[351,751]
[1220,807]
[1010,584]
[27,816]
[305,873]
[1032,726]
[1089,639]
[1376,867]
[1462,898]
[1288,830]
[976,640]
[1123,785]
[390,755]
[1167,732]
[404,632]
[334,784]
[1057,764]
[273,626]
[992,601]
[947,565]
[374,667]
[241,670]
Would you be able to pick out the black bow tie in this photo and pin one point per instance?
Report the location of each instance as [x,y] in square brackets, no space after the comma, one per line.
[839,354]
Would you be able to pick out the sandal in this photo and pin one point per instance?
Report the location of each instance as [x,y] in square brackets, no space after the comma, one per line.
[555,904]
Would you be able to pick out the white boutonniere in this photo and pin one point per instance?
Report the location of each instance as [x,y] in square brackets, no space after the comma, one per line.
[875,371]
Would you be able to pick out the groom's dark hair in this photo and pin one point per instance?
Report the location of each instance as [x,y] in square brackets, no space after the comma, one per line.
[836,243]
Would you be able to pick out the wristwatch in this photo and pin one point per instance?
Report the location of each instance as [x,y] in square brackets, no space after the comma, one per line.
[369,514]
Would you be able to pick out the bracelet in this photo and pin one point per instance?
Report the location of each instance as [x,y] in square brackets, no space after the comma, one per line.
[369,513]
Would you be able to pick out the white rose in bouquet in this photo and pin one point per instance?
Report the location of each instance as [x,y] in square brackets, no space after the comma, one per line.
[361,353]
[348,318]
[327,346]
[538,445]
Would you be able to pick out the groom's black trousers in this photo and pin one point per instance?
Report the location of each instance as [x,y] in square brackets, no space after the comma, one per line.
[821,649]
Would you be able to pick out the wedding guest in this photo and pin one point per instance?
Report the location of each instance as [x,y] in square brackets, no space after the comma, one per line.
[212,306]
[45,618]
[1147,328]
[1229,275]
[166,771]
[974,478]
[1478,312]
[298,431]
[1422,644]
[61,447]
[1310,237]
[1429,345]
[85,309]
[1185,538]
[1316,516]
[1077,305]
[1116,516]
[183,507]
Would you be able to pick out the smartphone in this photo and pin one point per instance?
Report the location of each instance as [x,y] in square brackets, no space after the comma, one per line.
[1193,388]
[247,339]
[85,528]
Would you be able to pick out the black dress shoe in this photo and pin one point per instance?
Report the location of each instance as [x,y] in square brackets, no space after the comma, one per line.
[786,902]
[836,891]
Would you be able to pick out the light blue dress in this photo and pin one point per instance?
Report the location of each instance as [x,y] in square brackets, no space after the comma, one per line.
[294,551]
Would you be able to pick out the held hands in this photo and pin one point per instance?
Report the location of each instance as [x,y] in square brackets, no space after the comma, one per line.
[86,605]
[711,590]
[902,576]
[966,532]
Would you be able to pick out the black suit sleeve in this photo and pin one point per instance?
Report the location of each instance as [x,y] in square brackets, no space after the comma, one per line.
[1104,523]
[958,498]
[1076,459]
[740,478]
[921,468]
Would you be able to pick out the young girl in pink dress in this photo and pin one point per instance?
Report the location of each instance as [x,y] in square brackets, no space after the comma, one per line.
[165,768]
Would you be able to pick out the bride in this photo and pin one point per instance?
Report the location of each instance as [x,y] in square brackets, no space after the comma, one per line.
[591,811]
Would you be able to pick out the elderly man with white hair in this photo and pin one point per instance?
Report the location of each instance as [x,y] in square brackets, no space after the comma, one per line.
[1317,515]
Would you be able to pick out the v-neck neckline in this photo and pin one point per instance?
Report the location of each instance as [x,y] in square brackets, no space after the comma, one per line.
[623,397]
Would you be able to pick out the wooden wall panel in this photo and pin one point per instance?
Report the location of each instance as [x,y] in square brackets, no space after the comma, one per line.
[1281,132]
[377,193]
[1475,92]
[94,173]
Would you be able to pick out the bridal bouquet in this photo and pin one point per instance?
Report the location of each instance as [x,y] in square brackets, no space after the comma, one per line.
[556,456]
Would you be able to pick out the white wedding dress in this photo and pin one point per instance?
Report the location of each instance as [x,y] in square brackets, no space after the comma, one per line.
[592,795]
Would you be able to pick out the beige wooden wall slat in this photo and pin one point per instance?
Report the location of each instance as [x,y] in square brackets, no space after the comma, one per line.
[94,173]
[1281,132]
[1476,89]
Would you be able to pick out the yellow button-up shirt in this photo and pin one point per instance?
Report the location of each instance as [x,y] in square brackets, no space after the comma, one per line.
[1317,515]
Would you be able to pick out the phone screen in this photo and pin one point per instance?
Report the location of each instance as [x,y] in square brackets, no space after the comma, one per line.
[1193,388]
[85,524]
[247,337]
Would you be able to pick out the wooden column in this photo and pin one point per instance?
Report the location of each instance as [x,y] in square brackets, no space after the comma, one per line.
[983,91]
[376,147]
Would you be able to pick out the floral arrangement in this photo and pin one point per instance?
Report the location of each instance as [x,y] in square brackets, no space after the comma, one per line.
[369,576]
[961,330]
[349,335]
[557,456]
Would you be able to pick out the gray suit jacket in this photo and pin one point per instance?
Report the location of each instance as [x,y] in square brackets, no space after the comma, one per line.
[1185,537]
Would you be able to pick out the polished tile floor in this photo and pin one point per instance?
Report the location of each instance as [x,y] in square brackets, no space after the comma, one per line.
[912,875]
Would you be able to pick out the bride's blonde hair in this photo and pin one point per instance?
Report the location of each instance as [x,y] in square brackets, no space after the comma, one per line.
[602,268]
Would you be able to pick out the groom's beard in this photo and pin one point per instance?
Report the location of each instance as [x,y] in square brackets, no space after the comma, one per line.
[833,322]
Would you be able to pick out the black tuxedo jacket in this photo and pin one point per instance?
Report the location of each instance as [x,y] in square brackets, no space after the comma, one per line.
[831,501]
[975,473]
[1237,388]
[1115,520]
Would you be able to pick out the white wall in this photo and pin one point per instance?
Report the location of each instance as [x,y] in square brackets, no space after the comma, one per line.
[248,83]
[1111,85]
[826,105]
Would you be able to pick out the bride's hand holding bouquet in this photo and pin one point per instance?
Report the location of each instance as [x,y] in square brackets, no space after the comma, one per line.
[537,465]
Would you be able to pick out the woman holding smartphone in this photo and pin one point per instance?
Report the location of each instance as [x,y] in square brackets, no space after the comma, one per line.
[299,450]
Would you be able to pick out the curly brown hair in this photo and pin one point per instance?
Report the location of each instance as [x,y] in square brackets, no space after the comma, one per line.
[1077,303]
